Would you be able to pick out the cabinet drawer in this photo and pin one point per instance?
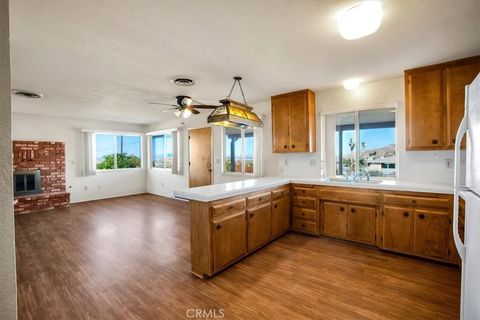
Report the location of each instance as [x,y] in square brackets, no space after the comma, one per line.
[307,214]
[305,202]
[228,207]
[303,191]
[258,198]
[304,225]
[279,193]
[443,203]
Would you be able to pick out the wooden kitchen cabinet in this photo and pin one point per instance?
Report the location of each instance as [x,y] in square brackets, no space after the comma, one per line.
[259,225]
[335,219]
[361,224]
[280,216]
[434,102]
[398,228]
[293,122]
[229,239]
[431,230]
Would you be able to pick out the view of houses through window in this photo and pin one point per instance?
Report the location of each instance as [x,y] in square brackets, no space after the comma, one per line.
[238,150]
[115,151]
[374,154]
[162,151]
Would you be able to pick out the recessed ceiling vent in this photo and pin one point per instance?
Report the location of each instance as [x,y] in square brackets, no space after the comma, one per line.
[27,94]
[183,82]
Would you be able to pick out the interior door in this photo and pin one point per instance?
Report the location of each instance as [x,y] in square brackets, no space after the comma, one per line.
[280,124]
[299,123]
[229,238]
[398,228]
[280,216]
[200,157]
[431,233]
[259,225]
[335,219]
[361,224]
[425,110]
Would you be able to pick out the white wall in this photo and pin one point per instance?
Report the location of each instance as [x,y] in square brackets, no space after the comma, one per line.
[8,296]
[418,166]
[104,184]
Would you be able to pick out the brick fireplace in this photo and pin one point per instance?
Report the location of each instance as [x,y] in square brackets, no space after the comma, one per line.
[49,159]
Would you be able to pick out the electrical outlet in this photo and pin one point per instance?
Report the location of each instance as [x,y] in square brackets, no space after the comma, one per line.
[448,164]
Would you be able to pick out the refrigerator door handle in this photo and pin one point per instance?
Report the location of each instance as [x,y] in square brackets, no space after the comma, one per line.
[462,130]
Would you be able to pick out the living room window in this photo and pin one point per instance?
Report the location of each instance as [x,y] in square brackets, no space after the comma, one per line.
[162,151]
[117,151]
[365,143]
[239,151]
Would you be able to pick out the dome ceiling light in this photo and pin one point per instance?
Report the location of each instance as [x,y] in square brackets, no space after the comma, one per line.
[360,20]
[351,84]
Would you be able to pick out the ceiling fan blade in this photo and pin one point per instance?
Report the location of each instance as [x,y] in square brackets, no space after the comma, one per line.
[203,106]
[163,104]
[170,109]
[193,110]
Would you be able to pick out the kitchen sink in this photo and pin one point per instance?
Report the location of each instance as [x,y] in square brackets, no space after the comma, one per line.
[350,181]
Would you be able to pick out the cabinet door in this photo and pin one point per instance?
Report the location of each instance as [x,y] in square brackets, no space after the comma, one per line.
[456,78]
[431,233]
[299,125]
[361,224]
[280,216]
[335,219]
[259,225]
[398,228]
[229,239]
[280,124]
[425,114]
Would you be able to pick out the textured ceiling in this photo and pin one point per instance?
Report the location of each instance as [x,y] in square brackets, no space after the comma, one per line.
[103,59]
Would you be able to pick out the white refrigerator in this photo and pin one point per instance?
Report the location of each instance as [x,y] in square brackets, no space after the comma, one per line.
[469,250]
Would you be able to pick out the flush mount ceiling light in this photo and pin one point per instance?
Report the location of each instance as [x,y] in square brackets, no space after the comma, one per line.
[27,94]
[360,20]
[351,84]
[183,82]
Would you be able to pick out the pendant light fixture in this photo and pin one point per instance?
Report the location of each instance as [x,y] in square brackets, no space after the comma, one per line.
[234,114]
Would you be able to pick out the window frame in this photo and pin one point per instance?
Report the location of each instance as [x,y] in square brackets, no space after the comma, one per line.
[115,151]
[242,137]
[150,156]
[356,128]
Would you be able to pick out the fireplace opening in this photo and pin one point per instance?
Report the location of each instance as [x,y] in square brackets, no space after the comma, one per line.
[26,182]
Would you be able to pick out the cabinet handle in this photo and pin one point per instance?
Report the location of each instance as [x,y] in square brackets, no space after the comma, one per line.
[275,206]
[303,213]
[353,210]
[421,216]
[434,141]
[414,201]
[285,147]
[251,215]
[406,214]
[230,207]
[293,146]
[219,227]
[342,209]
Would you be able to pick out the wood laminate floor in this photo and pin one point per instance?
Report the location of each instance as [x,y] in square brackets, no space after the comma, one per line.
[129,258]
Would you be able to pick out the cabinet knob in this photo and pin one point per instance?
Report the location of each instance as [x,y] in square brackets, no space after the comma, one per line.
[285,147]
[353,210]
[303,213]
[342,209]
[303,191]
[230,207]
[414,201]
[421,216]
[275,206]
[259,199]
[251,215]
[406,214]
[303,225]
[293,146]
[219,227]
[453,140]
[434,141]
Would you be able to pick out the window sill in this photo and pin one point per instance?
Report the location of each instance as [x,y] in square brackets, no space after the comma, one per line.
[239,175]
[160,169]
[118,170]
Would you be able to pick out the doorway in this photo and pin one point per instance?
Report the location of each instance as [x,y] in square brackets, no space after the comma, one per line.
[200,157]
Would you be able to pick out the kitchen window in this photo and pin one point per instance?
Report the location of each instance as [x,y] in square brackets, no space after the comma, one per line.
[162,151]
[117,151]
[239,151]
[365,143]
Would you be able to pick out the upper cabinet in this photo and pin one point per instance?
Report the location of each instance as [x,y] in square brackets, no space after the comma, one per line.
[293,122]
[434,102]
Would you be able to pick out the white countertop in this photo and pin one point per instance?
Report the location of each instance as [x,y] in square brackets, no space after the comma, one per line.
[230,189]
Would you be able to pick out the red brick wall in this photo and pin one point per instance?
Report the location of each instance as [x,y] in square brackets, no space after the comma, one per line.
[49,158]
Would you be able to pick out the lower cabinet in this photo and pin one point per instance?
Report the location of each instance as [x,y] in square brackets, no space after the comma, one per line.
[431,233]
[352,222]
[280,216]
[398,228]
[229,239]
[259,225]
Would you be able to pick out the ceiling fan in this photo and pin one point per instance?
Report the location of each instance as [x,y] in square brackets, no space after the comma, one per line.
[184,106]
